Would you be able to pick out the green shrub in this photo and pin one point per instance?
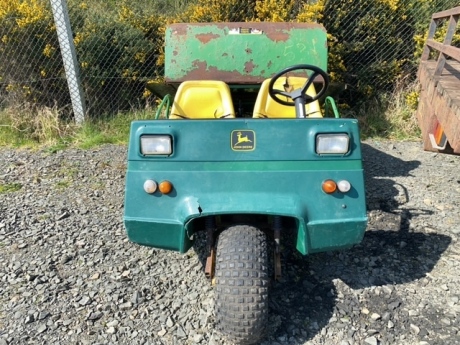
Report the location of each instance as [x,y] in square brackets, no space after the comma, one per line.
[117,49]
[378,41]
[30,63]
[373,44]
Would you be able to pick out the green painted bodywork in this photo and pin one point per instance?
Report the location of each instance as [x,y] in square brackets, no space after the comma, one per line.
[274,171]
[281,175]
[233,53]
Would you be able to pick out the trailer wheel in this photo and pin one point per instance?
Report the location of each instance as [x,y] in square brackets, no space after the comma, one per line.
[242,284]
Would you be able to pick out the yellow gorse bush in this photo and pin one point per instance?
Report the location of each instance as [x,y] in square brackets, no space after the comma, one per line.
[439,36]
[392,4]
[25,24]
[274,10]
[24,12]
[412,99]
[311,12]
[214,11]
[48,50]
[30,12]
[120,43]
[7,7]
[128,15]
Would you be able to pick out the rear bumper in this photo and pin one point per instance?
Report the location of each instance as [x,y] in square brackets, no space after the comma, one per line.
[324,222]
[311,237]
[333,235]
[154,233]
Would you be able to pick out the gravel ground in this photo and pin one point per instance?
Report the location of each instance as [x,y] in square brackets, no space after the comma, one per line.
[68,275]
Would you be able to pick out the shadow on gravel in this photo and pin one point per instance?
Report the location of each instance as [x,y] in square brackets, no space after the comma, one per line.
[391,253]
[303,302]
[381,191]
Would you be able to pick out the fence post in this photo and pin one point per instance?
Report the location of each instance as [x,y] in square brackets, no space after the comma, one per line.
[69,57]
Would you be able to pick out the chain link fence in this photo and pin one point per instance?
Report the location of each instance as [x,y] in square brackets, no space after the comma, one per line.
[379,43]
[373,45]
[30,70]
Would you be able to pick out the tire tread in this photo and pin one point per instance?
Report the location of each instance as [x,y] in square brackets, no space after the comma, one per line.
[242,284]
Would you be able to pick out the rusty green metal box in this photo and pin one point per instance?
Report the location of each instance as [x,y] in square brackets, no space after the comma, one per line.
[241,53]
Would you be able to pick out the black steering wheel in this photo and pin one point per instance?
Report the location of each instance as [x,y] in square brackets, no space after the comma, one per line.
[299,96]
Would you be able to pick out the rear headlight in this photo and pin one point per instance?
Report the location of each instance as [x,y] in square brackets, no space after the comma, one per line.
[332,143]
[156,145]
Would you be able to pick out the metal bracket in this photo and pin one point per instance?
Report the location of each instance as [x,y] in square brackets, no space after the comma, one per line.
[211,259]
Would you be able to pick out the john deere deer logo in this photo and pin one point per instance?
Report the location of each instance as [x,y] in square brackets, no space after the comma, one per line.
[243,140]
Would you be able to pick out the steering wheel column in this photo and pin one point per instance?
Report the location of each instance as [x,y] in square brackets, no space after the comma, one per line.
[299,103]
[299,97]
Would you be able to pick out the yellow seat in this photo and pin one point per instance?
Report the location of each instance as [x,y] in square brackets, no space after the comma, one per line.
[267,107]
[203,99]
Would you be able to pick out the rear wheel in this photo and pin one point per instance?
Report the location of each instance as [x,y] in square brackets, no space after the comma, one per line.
[242,283]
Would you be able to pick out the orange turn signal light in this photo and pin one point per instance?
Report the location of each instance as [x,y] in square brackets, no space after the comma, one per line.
[329,186]
[165,187]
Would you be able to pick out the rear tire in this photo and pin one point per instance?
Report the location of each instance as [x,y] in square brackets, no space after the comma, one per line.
[242,284]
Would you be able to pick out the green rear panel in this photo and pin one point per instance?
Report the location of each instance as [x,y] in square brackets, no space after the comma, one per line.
[279,173]
[241,53]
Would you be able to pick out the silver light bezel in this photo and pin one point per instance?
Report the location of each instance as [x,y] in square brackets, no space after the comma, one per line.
[332,144]
[156,145]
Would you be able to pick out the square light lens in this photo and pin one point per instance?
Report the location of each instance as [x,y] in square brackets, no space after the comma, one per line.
[332,143]
[156,145]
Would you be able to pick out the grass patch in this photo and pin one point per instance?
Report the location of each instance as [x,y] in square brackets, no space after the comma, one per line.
[10,187]
[28,127]
[97,185]
[10,135]
[390,116]
[63,184]
[69,169]
[109,130]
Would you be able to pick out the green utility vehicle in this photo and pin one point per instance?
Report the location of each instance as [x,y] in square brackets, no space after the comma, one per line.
[242,149]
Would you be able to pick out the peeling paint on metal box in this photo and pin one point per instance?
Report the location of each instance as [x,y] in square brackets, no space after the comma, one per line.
[228,51]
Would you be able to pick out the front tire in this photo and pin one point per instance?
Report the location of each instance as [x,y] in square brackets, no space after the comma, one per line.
[242,284]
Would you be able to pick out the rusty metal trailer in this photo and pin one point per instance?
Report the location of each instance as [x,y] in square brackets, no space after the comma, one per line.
[438,112]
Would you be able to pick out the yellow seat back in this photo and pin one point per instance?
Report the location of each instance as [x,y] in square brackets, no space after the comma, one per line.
[267,107]
[203,99]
